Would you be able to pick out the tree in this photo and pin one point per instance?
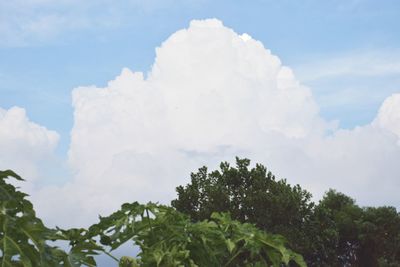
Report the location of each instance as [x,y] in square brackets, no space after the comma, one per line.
[250,195]
[336,232]
[345,214]
[379,235]
[366,236]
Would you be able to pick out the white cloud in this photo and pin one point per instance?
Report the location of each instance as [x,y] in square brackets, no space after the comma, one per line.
[24,144]
[211,95]
[389,115]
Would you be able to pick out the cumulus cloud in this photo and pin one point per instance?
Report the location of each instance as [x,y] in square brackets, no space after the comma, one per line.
[389,115]
[24,144]
[213,94]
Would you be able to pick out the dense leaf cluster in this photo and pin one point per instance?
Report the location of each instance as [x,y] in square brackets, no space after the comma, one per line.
[334,232]
[26,241]
[165,237]
[23,236]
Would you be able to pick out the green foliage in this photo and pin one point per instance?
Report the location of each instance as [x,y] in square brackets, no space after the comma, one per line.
[168,238]
[336,232]
[220,219]
[366,236]
[24,240]
[250,195]
[165,237]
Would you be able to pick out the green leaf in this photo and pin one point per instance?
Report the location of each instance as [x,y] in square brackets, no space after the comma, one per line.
[10,173]
[230,245]
[128,262]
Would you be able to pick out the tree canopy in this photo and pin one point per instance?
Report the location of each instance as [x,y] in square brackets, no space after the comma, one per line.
[334,232]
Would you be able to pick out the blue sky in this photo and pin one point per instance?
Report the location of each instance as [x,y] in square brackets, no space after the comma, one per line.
[330,120]
[92,42]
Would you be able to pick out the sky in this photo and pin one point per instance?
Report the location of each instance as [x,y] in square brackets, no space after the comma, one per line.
[104,102]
